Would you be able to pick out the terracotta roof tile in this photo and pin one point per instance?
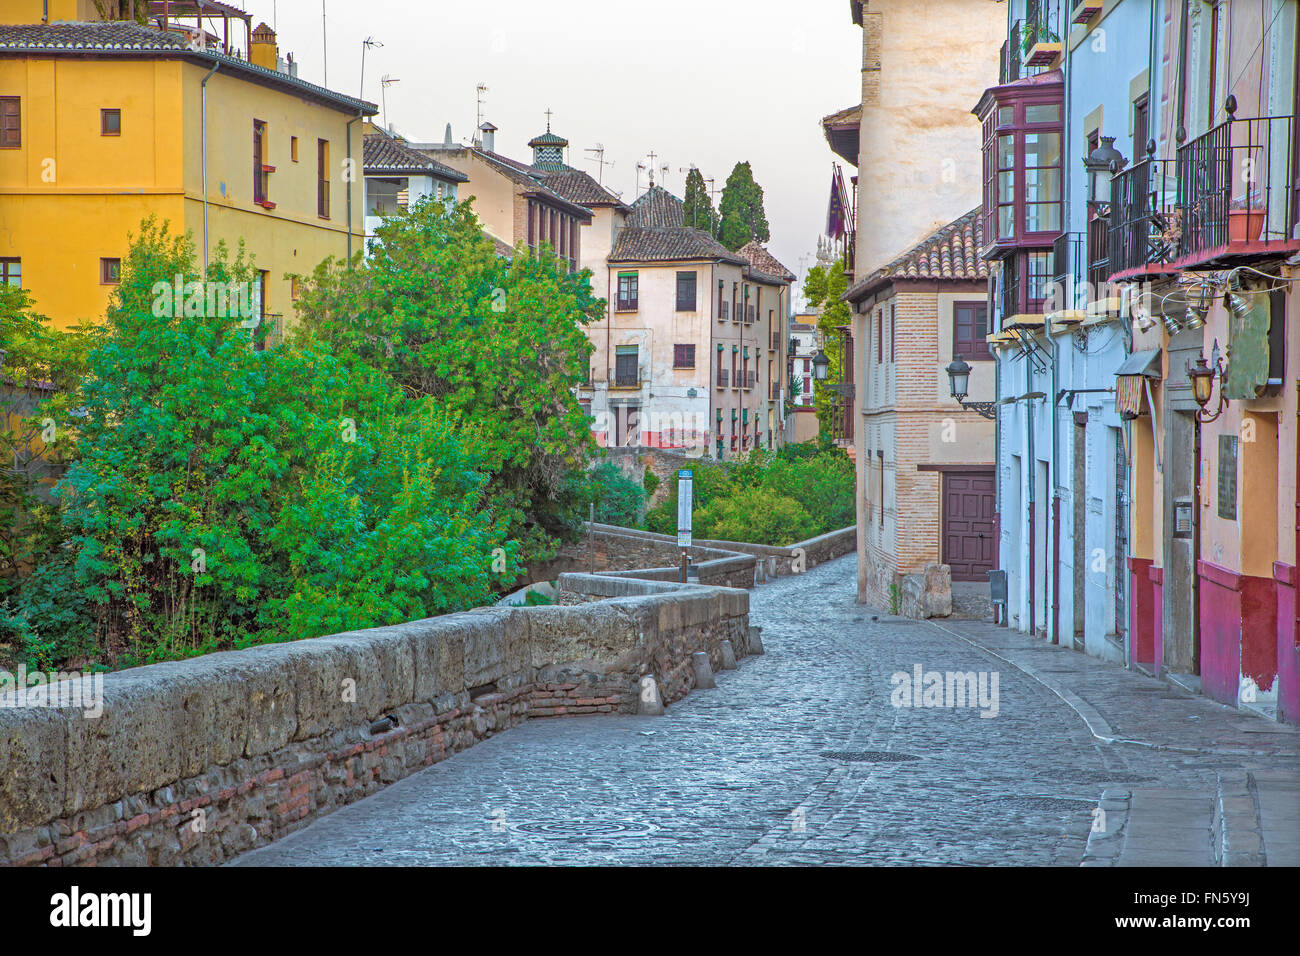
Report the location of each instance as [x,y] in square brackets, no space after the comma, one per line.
[663,244]
[383,154]
[657,209]
[764,262]
[949,253]
[579,187]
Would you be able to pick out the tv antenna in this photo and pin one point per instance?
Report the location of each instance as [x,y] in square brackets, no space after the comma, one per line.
[639,168]
[479,91]
[325,47]
[369,43]
[385,82]
[599,158]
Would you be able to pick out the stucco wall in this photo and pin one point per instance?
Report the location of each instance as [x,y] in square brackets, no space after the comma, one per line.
[67,172]
[926,62]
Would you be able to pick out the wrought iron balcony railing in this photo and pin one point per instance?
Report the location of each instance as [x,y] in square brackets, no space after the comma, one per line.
[1042,41]
[1098,239]
[842,403]
[1144,221]
[1236,186]
[1069,270]
[1011,68]
[1010,289]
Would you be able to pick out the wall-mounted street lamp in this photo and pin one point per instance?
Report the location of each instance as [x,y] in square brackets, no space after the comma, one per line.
[821,366]
[1102,164]
[1202,377]
[959,387]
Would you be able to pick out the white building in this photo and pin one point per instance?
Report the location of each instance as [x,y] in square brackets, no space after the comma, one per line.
[1059,333]
[398,177]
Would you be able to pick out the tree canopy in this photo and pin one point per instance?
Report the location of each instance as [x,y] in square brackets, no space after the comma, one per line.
[697,211]
[741,209]
[404,453]
[824,289]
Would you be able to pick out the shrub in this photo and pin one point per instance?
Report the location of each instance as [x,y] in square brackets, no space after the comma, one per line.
[618,499]
[810,494]
[756,515]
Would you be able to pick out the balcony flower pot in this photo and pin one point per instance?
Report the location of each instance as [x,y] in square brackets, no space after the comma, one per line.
[1245,225]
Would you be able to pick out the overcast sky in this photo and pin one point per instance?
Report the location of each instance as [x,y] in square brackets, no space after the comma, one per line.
[708,82]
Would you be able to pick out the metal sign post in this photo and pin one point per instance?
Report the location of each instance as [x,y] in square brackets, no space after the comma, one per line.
[684,506]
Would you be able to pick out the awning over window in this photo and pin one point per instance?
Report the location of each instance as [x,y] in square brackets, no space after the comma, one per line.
[1130,381]
[1141,363]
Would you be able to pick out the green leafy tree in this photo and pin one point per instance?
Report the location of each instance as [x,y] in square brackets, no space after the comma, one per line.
[741,209]
[38,368]
[500,345]
[697,208]
[226,495]
[824,289]
[617,498]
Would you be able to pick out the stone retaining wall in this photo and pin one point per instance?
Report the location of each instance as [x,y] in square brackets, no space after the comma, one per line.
[639,553]
[197,761]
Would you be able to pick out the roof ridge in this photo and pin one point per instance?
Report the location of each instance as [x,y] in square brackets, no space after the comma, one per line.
[125,37]
[949,252]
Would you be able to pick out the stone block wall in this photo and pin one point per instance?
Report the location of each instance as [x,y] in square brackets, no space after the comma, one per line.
[194,762]
[651,556]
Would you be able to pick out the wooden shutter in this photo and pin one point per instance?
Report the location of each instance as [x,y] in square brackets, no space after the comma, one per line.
[10,122]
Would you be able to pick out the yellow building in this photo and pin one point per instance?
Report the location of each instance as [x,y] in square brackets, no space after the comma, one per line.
[105,123]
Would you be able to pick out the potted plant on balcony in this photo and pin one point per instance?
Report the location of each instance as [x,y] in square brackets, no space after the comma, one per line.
[1035,34]
[1246,218]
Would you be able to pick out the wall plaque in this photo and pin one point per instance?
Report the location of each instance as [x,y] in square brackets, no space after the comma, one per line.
[1228,477]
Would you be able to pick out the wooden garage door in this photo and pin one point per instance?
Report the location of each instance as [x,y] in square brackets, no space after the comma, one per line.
[968,538]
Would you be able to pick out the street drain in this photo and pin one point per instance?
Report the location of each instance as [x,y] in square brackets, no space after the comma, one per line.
[868,756]
[567,829]
[1045,803]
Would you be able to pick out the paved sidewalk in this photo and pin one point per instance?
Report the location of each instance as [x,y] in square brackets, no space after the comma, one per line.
[806,756]
[1249,815]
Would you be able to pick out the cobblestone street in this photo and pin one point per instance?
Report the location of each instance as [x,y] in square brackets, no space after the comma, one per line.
[799,757]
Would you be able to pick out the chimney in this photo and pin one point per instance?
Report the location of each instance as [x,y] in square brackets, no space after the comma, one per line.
[489,136]
[446,140]
[262,50]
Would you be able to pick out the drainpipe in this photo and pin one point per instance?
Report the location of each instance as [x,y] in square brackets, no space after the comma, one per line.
[997,478]
[1056,504]
[204,95]
[712,363]
[352,175]
[1182,68]
[1196,549]
[1031,470]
